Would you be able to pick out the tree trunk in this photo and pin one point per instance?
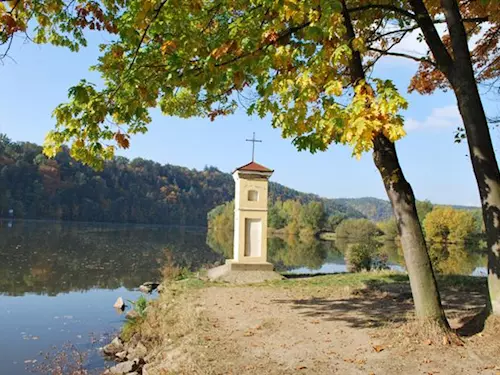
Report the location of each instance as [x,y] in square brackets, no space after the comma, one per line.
[422,281]
[481,149]
[487,176]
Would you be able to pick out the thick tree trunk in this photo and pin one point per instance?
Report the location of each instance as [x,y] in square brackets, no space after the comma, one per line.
[481,150]
[422,281]
[488,179]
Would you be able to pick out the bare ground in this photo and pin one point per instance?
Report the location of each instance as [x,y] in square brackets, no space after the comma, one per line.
[316,329]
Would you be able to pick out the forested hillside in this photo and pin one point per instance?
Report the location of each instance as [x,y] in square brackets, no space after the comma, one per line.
[372,208]
[137,191]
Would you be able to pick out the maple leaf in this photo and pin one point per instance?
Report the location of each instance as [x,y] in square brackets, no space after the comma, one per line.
[122,140]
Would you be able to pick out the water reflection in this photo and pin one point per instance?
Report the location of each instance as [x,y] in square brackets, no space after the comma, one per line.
[50,258]
[285,252]
[455,259]
[308,254]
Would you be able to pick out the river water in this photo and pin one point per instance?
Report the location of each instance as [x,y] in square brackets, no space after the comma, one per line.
[58,281]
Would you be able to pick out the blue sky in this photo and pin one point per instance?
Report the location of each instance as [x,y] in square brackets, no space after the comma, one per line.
[437,168]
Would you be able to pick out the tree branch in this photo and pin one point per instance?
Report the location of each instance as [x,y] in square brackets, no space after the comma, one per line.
[443,59]
[283,34]
[397,54]
[388,7]
[136,52]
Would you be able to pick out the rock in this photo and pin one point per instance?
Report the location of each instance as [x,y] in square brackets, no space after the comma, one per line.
[113,347]
[145,289]
[126,367]
[132,314]
[148,286]
[119,304]
[122,356]
[160,288]
[134,340]
[140,351]
[133,373]
[122,368]
[153,285]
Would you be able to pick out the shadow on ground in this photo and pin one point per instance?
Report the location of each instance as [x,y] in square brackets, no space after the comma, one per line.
[382,302]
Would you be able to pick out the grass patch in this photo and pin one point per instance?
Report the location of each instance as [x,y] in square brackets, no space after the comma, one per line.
[130,328]
[462,282]
[354,280]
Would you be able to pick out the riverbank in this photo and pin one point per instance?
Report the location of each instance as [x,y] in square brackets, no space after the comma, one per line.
[346,323]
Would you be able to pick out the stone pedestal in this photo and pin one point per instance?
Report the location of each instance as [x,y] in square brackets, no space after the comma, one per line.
[243,273]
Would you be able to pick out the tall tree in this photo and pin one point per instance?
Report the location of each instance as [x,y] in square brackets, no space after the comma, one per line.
[301,59]
[451,57]
[422,280]
[450,64]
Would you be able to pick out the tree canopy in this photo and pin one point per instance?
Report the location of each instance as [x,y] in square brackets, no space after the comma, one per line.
[203,58]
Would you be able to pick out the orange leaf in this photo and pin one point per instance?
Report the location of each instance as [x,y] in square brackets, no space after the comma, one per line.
[378,348]
[122,140]
[168,47]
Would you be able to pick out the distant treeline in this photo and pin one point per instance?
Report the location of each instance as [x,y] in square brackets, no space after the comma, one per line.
[136,191]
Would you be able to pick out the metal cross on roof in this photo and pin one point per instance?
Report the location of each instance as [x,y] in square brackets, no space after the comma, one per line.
[253,140]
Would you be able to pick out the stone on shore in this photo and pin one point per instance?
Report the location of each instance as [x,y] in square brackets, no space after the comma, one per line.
[144,289]
[119,304]
[122,356]
[148,287]
[126,367]
[113,347]
[140,351]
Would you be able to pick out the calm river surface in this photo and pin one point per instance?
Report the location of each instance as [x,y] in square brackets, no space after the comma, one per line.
[58,281]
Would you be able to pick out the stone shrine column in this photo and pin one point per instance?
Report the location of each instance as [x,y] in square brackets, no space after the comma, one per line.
[249,263]
[250,213]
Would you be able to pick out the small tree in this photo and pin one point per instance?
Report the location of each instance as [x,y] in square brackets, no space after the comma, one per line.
[445,224]
[357,229]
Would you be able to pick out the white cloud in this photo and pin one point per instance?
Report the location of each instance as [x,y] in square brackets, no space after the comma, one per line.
[440,118]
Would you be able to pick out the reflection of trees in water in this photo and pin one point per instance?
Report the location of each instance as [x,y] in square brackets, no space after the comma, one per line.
[49,258]
[455,258]
[294,251]
[284,252]
[306,251]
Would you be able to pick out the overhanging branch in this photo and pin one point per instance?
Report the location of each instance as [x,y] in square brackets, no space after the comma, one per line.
[406,56]
[390,8]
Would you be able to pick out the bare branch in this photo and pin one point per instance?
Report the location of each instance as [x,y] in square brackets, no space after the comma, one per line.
[397,54]
[392,32]
[4,55]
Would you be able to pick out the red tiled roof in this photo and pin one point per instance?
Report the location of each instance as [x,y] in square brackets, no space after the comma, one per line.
[254,167]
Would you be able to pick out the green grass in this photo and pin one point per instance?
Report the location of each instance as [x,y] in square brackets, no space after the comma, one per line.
[462,282]
[354,280]
[341,281]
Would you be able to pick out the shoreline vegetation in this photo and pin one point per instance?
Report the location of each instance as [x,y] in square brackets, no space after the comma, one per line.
[360,321]
[441,224]
[349,323]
